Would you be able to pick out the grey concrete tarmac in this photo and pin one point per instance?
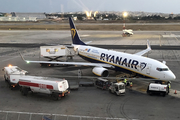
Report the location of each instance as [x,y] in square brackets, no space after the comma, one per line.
[90,101]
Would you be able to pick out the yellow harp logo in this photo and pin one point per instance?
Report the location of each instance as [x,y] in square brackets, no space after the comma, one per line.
[73,32]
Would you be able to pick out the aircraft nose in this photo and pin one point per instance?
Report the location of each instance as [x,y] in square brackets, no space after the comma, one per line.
[171,76]
[174,77]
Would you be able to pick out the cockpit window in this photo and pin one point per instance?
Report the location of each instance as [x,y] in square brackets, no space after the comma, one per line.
[162,69]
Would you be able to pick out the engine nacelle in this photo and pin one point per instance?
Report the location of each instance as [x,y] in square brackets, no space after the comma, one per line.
[100,71]
[76,50]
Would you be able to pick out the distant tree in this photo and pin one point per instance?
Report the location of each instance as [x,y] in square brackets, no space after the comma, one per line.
[79,17]
[153,17]
[177,18]
[170,18]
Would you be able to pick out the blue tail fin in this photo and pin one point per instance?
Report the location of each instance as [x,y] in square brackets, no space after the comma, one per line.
[75,37]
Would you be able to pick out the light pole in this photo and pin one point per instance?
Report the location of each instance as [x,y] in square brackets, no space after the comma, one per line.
[125,14]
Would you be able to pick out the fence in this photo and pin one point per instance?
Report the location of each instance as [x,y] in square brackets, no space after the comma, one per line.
[13,115]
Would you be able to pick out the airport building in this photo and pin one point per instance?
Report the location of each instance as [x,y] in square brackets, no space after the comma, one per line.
[23,17]
[29,15]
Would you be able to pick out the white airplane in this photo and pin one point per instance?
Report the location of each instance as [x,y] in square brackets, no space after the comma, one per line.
[102,59]
[128,32]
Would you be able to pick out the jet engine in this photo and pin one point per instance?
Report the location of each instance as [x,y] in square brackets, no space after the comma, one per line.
[76,50]
[100,71]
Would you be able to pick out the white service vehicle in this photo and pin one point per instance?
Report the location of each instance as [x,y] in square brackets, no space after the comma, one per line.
[56,87]
[158,88]
[117,88]
[12,75]
[53,53]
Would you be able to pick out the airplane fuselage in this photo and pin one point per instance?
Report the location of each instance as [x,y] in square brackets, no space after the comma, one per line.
[146,67]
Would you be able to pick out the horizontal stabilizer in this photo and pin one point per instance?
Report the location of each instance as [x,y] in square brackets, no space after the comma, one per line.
[88,42]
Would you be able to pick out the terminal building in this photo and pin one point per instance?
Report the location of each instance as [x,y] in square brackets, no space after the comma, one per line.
[23,17]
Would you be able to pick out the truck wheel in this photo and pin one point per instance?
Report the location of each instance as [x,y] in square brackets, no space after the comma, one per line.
[55,96]
[52,65]
[147,91]
[20,88]
[163,94]
[5,78]
[103,88]
[43,64]
[11,87]
[24,91]
[150,93]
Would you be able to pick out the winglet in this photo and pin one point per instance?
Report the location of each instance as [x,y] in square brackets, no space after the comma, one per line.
[148,45]
[23,58]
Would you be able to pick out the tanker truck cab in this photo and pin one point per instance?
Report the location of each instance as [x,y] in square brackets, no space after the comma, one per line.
[12,75]
[117,88]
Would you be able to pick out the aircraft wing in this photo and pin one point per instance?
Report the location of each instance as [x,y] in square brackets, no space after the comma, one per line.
[71,63]
[144,51]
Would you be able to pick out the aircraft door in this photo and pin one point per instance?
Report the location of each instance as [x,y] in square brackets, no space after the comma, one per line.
[148,69]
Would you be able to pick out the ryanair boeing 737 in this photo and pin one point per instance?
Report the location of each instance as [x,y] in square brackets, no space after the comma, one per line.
[102,59]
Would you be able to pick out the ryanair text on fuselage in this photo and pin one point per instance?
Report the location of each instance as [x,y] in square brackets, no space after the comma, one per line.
[122,61]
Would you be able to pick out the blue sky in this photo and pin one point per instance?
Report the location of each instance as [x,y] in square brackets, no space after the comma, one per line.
[50,6]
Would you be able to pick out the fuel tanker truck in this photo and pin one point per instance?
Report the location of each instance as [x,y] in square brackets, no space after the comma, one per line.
[55,87]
